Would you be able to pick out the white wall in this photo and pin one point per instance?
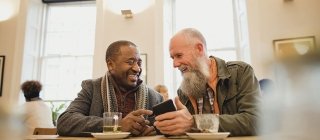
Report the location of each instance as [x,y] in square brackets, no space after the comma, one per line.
[275,19]
[141,30]
[10,46]
[145,29]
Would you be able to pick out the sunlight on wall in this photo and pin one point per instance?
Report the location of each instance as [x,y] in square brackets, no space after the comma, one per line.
[136,6]
[7,9]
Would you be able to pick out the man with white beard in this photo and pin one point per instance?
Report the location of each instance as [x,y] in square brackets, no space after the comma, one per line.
[210,85]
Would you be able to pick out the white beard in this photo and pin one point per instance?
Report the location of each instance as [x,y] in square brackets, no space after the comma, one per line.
[194,82]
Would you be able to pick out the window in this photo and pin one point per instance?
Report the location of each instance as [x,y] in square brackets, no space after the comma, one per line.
[68,49]
[222,22]
[214,18]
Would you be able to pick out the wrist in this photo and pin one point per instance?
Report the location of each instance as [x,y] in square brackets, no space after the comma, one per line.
[194,127]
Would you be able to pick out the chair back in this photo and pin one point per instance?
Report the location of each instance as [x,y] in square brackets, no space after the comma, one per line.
[45,131]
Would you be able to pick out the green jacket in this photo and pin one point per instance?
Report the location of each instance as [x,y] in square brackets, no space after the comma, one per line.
[238,96]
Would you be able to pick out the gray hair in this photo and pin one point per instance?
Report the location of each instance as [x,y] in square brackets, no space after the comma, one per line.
[191,34]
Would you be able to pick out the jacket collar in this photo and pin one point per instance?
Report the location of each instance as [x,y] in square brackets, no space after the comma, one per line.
[223,77]
[223,72]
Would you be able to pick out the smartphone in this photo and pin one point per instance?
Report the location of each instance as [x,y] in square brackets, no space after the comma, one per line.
[161,108]
[164,107]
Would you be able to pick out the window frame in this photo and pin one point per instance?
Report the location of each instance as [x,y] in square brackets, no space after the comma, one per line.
[241,37]
[42,57]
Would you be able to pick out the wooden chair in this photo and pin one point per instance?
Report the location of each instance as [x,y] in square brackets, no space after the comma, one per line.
[45,131]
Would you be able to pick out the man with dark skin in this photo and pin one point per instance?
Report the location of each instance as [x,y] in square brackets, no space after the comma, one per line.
[120,90]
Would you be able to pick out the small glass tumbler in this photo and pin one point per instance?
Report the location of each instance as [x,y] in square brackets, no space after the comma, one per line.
[111,122]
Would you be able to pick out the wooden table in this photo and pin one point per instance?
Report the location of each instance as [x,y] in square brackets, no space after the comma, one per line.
[158,137]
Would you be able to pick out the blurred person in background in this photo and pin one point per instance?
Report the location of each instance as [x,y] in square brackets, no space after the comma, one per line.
[163,90]
[37,112]
[267,86]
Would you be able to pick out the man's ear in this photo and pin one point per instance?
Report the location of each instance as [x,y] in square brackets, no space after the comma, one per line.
[200,48]
[110,64]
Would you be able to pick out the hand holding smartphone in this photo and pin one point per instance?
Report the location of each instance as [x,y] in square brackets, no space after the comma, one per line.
[164,107]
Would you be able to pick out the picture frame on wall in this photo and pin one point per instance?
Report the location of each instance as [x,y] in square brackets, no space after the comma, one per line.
[294,47]
[2,60]
[144,63]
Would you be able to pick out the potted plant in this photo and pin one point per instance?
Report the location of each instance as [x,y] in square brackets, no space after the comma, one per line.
[56,110]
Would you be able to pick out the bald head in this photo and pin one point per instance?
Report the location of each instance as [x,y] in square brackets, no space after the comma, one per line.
[190,36]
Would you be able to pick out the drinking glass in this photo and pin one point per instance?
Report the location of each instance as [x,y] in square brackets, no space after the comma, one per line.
[111,122]
[208,123]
